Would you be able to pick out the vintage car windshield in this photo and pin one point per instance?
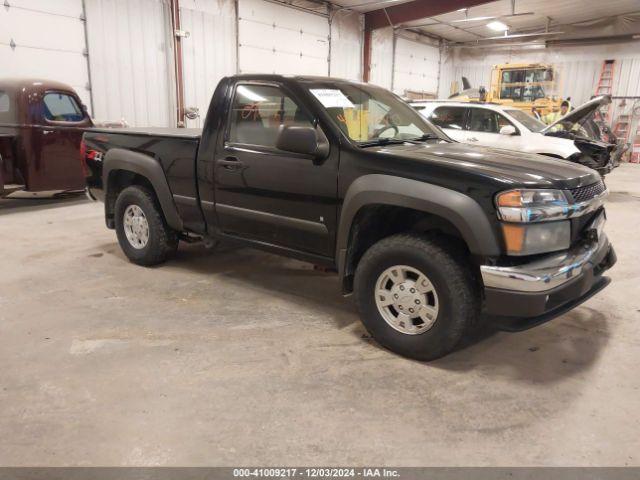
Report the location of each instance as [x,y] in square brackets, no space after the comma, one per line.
[368,114]
[527,120]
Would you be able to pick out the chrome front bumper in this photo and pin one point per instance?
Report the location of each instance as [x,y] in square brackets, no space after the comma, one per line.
[552,271]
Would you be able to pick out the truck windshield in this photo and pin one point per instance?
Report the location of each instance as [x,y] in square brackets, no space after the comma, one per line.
[368,114]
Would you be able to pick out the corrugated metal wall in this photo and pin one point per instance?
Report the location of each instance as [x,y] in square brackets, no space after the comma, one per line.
[130,46]
[210,51]
[45,39]
[346,45]
[130,55]
[381,73]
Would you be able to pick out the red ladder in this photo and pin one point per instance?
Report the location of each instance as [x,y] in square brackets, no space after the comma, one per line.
[605,85]
[621,128]
[635,149]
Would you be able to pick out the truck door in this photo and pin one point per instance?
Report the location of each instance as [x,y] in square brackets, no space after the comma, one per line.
[484,127]
[56,162]
[266,194]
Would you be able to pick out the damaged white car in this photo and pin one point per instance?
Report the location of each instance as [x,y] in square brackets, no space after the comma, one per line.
[575,137]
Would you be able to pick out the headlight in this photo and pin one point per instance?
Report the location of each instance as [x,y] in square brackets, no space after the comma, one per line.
[528,206]
[528,216]
[521,239]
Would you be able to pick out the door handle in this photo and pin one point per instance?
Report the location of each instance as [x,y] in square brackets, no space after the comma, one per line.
[230,163]
[472,139]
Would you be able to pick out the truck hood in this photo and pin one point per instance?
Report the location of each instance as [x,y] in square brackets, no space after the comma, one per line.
[582,113]
[504,166]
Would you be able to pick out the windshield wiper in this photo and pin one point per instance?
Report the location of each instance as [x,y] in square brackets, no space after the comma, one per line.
[395,141]
[381,141]
[423,138]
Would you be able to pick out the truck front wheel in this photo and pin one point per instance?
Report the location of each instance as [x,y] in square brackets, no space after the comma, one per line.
[142,232]
[416,295]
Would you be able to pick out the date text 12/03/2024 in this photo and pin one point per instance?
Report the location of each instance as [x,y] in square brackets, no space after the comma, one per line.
[315,472]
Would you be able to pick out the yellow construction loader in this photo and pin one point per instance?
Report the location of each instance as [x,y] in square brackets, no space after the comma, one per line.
[520,85]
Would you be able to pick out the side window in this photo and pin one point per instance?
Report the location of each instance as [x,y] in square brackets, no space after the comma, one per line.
[449,117]
[6,115]
[487,121]
[258,111]
[4,102]
[60,107]
[502,121]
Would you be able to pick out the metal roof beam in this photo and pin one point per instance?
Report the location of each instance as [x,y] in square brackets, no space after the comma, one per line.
[414,10]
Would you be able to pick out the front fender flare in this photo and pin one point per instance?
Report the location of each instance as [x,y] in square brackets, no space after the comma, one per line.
[149,168]
[460,209]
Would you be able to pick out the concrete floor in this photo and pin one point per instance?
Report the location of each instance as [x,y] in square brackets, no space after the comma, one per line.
[240,357]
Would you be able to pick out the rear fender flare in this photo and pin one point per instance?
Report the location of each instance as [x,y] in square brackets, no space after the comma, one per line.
[149,168]
[459,209]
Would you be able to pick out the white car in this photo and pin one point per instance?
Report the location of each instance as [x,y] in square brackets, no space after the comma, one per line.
[574,137]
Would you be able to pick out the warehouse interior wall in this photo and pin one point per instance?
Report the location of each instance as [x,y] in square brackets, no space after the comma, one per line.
[118,54]
[224,37]
[416,66]
[275,38]
[405,62]
[381,73]
[130,57]
[209,53]
[578,66]
[347,29]
[43,39]
[122,67]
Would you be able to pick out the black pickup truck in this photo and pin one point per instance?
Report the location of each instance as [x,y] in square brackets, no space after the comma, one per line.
[427,233]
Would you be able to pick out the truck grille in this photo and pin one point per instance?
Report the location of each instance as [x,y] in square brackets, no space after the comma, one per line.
[582,194]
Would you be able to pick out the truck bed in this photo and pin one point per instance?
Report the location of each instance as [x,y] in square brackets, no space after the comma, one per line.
[174,150]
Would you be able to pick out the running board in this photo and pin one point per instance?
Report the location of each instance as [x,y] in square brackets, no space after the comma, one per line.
[9,188]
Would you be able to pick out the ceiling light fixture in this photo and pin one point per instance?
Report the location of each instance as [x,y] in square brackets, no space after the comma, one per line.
[497,26]
[518,35]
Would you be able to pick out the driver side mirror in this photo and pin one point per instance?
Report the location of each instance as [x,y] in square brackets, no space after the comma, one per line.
[304,140]
[508,130]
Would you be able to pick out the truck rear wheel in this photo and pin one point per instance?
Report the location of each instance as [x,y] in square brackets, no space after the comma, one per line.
[142,232]
[415,295]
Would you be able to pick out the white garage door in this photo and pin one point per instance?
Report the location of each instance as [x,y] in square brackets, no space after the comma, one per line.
[279,39]
[45,39]
[416,67]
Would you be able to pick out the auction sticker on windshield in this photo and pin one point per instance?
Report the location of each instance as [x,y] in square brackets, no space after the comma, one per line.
[332,98]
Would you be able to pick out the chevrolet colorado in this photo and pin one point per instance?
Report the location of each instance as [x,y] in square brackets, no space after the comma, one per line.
[427,233]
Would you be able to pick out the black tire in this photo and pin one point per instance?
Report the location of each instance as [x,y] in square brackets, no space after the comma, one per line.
[452,277]
[163,241]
